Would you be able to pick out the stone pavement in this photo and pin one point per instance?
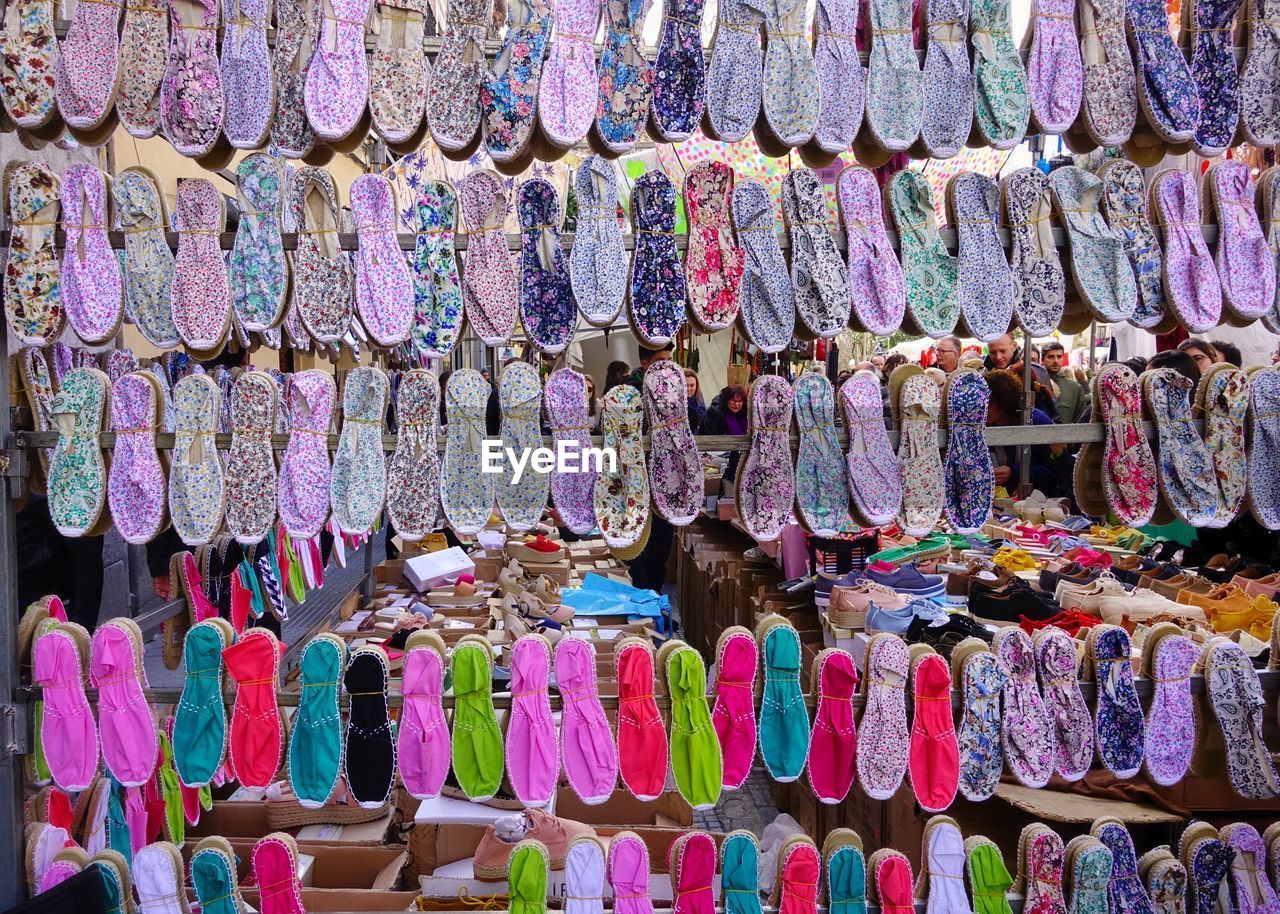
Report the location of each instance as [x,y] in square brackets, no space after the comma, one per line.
[750,808]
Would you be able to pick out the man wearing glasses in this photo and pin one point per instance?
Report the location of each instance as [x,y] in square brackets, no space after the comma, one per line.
[947,350]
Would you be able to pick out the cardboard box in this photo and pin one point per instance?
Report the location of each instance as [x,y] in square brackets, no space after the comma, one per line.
[668,811]
[329,866]
[433,568]
[249,820]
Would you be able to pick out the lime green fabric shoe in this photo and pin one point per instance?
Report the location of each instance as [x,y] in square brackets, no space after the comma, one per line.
[989,878]
[527,878]
[477,741]
[315,741]
[175,818]
[784,720]
[695,749]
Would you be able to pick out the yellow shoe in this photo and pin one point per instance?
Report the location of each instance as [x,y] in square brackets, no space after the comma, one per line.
[1015,559]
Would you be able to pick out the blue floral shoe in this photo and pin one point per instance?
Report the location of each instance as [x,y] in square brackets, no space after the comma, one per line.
[437,284]
[548,312]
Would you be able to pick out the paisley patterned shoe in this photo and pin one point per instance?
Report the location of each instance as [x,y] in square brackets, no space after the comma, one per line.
[822,490]
[337,84]
[875,479]
[842,79]
[413,477]
[454,84]
[489,281]
[201,296]
[566,403]
[247,74]
[28,50]
[1259,121]
[931,272]
[626,77]
[358,487]
[1039,287]
[1118,715]
[195,473]
[675,467]
[521,498]
[1124,206]
[1060,686]
[259,273]
[1186,475]
[136,483]
[766,479]
[735,74]
[597,262]
[968,474]
[1263,497]
[384,288]
[895,84]
[1208,30]
[466,493]
[713,261]
[985,288]
[656,308]
[621,498]
[77,469]
[509,95]
[1099,262]
[141,215]
[548,311]
[304,470]
[818,274]
[322,277]
[883,738]
[32,291]
[767,298]
[192,100]
[297,32]
[1232,686]
[398,72]
[92,288]
[437,284]
[1223,399]
[567,91]
[1026,728]
[1243,255]
[789,99]
[251,464]
[1055,70]
[1001,106]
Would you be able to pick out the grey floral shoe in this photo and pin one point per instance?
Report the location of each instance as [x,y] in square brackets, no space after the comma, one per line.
[735,74]
[196,483]
[322,277]
[466,492]
[259,272]
[251,463]
[819,275]
[1124,205]
[768,307]
[358,486]
[1099,264]
[413,477]
[1039,287]
[948,80]
[521,500]
[140,213]
[895,85]
[985,286]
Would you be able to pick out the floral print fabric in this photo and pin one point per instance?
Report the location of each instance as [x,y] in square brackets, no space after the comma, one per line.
[1090,866]
[597,262]
[413,478]
[201,292]
[656,308]
[931,272]
[768,307]
[297,31]
[1243,256]
[766,480]
[358,485]
[1186,475]
[548,312]
[679,75]
[1001,107]
[883,739]
[1039,287]
[384,287]
[453,88]
[675,467]
[92,289]
[1055,71]
[875,479]
[948,82]
[32,288]
[566,401]
[246,73]
[259,275]
[1124,205]
[621,498]
[398,71]
[1118,722]
[195,473]
[1129,470]
[322,279]
[520,399]
[466,493]
[1026,726]
[1213,65]
[919,403]
[251,462]
[87,68]
[1264,438]
[509,93]
[147,261]
[822,490]
[790,96]
[1110,107]
[1190,277]
[136,483]
[735,74]
[1168,92]
[819,276]
[842,79]
[1251,889]
[895,84]
[1166,881]
[968,474]
[567,90]
[1125,892]
[337,84]
[192,100]
[626,76]
[1045,857]
[489,281]
[712,262]
[437,285]
[1060,687]
[27,47]
[1171,719]
[985,286]
[1210,860]
[1225,395]
[304,470]
[875,276]
[1099,262]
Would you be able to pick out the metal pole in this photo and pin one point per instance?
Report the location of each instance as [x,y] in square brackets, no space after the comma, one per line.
[1024,451]
[1093,346]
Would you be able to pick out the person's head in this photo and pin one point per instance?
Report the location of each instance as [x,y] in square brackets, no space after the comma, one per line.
[947,350]
[878,361]
[1137,364]
[1201,352]
[1054,356]
[1035,354]
[847,374]
[1002,351]
[864,365]
[649,356]
[939,376]
[1228,352]
[1181,362]
[591,393]
[616,374]
[484,373]
[1007,397]
[734,398]
[692,389]
[893,361]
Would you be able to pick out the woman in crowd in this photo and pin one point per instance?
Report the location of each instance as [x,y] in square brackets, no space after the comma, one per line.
[693,396]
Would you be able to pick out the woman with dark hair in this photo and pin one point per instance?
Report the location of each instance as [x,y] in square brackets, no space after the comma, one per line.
[593,405]
[1050,472]
[617,373]
[1201,352]
[1179,360]
[727,415]
[693,399]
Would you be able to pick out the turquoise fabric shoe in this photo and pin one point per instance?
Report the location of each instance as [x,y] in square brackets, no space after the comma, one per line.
[200,724]
[846,873]
[213,875]
[784,720]
[315,743]
[740,874]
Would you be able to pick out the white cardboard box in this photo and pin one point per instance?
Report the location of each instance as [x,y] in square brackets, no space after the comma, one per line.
[432,568]
[448,880]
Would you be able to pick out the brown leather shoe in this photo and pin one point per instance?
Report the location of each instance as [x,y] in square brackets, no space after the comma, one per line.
[493,853]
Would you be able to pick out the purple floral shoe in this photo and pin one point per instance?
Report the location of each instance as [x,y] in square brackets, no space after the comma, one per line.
[358,487]
[509,95]
[656,304]
[567,90]
[32,285]
[384,287]
[967,473]
[322,280]
[566,401]
[1118,718]
[597,262]
[489,280]
[337,84]
[398,71]
[1191,280]
[1060,687]
[521,499]
[304,469]
[251,462]
[621,497]
[818,273]
[884,742]
[247,74]
[1250,887]
[413,477]
[548,312]
[1208,29]
[147,263]
[1244,260]
[466,491]
[437,284]
[875,479]
[201,296]
[297,32]
[196,483]
[259,273]
[675,467]
[875,275]
[87,68]
[768,301]
[822,489]
[144,50]
[92,288]
[1055,70]
[1168,657]
[1125,893]
[766,479]
[1026,728]
[136,483]
[453,87]
[192,100]
[735,73]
